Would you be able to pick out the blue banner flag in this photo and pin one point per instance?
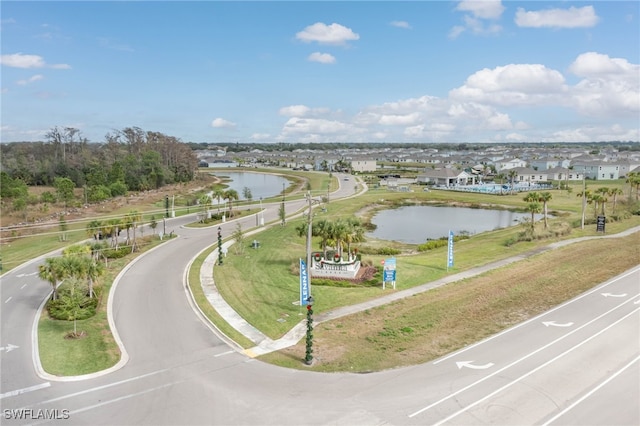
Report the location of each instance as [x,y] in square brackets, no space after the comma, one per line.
[450,251]
[304,284]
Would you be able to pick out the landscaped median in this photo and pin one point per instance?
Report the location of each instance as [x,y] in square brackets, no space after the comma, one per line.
[95,349]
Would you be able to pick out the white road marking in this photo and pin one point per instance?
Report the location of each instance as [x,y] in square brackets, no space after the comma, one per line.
[8,348]
[10,297]
[23,286]
[469,364]
[614,295]
[597,388]
[111,401]
[71,395]
[453,394]
[595,290]
[555,324]
[538,368]
[25,390]
[223,353]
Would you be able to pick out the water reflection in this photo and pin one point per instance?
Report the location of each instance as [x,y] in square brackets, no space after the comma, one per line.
[417,224]
[262,185]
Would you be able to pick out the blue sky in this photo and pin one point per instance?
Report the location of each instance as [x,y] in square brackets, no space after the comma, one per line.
[351,71]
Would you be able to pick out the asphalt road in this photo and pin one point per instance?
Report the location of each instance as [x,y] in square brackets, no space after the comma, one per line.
[576,364]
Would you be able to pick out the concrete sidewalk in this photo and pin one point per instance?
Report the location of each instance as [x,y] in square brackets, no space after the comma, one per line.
[265,345]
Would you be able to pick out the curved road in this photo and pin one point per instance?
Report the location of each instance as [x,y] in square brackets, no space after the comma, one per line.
[576,364]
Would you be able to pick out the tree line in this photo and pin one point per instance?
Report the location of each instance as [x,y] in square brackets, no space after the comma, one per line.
[130,159]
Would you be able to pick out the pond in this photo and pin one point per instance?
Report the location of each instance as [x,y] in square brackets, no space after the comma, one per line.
[417,224]
[262,185]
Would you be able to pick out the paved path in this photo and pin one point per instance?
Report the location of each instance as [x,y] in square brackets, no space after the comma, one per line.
[265,345]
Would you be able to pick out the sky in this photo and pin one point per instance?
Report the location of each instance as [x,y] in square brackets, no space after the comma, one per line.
[303,71]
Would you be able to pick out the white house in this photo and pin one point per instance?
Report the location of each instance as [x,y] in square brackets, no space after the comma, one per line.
[509,163]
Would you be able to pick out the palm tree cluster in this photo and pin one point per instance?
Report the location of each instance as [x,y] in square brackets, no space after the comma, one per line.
[335,234]
[534,199]
[76,262]
[600,197]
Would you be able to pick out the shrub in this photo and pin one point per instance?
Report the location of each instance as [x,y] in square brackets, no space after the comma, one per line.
[112,253]
[73,303]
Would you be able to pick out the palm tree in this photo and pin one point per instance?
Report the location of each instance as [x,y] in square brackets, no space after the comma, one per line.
[533,206]
[615,192]
[545,197]
[585,194]
[633,179]
[205,202]
[355,232]
[218,194]
[230,195]
[93,229]
[53,270]
[512,176]
[322,229]
[114,226]
[132,220]
[604,192]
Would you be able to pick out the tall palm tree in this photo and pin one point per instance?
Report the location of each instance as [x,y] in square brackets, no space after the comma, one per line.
[355,232]
[218,194]
[133,218]
[230,195]
[205,202]
[322,229]
[93,228]
[545,197]
[615,192]
[53,270]
[633,179]
[512,176]
[533,206]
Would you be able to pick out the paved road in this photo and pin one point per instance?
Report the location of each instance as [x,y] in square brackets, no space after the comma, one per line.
[575,364]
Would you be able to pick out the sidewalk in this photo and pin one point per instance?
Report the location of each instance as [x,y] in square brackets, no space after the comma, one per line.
[265,345]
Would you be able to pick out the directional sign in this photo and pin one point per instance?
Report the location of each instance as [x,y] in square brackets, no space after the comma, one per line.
[389,274]
[469,364]
[8,348]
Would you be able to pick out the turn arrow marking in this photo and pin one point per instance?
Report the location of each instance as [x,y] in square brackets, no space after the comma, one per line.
[555,324]
[469,364]
[614,295]
[8,348]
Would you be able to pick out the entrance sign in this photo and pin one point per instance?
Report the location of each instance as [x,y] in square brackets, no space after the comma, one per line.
[389,272]
[600,223]
[304,284]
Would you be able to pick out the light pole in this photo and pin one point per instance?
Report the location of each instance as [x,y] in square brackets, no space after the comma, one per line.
[282,211]
[261,213]
[219,245]
[308,358]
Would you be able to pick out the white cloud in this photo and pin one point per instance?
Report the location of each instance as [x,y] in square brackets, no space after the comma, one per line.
[296,125]
[18,60]
[260,136]
[31,79]
[610,85]
[485,9]
[474,19]
[323,58]
[327,34]
[514,84]
[221,123]
[455,32]
[399,120]
[400,24]
[574,17]
[294,110]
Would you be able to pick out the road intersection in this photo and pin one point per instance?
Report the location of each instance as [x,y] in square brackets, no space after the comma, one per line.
[575,364]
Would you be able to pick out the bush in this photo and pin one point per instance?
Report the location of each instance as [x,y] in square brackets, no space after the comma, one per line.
[118,188]
[112,253]
[73,303]
[47,197]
